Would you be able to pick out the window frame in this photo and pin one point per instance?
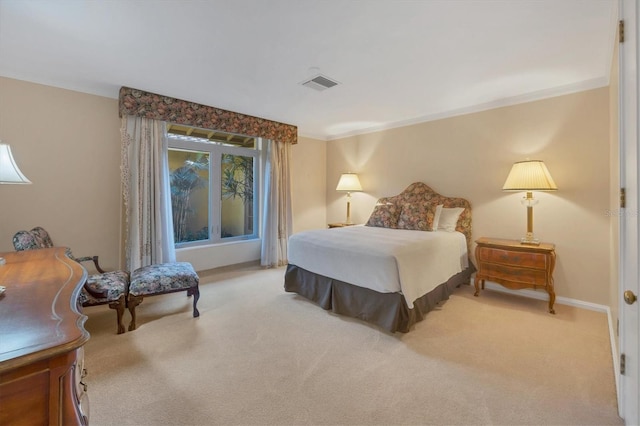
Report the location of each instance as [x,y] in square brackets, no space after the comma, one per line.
[215,151]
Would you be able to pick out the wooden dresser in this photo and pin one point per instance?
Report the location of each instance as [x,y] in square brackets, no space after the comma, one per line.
[515,265]
[41,340]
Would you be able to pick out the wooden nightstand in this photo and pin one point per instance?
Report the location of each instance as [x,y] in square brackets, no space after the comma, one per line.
[515,265]
[340,224]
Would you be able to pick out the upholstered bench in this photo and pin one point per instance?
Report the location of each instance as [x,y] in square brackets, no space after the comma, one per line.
[161,279]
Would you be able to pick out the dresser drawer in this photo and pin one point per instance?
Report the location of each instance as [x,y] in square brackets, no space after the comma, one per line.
[533,277]
[514,258]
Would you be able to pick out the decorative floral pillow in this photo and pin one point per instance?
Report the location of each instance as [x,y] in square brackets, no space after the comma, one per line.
[417,216]
[384,216]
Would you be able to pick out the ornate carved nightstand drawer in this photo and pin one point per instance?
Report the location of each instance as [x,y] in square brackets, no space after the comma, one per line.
[513,275]
[515,258]
[515,266]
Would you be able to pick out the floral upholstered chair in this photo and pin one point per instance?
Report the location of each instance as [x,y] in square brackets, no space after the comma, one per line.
[99,289]
[39,238]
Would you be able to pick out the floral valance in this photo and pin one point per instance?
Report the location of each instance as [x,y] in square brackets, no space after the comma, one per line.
[157,107]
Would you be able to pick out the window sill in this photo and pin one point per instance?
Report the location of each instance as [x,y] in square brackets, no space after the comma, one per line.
[227,253]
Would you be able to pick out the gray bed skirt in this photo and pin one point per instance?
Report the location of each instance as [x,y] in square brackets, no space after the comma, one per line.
[388,311]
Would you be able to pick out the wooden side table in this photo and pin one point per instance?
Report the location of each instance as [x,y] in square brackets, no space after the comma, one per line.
[515,265]
[339,224]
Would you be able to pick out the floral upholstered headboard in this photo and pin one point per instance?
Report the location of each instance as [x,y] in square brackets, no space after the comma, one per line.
[420,193]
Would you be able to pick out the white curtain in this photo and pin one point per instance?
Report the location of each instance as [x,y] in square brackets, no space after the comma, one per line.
[146,191]
[277,205]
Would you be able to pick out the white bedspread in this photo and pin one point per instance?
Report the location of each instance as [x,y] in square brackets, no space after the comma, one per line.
[382,259]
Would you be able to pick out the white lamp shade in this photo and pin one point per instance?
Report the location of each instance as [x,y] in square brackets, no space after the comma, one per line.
[349,182]
[530,175]
[9,170]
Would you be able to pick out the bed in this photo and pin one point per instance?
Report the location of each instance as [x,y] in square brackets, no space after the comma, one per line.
[409,256]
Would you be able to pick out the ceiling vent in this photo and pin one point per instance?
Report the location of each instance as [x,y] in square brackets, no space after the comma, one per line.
[320,83]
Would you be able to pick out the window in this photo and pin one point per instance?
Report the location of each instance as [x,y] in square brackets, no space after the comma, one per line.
[213,179]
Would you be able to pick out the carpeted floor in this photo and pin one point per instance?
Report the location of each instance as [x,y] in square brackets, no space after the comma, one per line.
[260,356]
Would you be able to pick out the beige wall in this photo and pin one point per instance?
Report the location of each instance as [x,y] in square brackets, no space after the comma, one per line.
[68,144]
[470,156]
[308,184]
[614,187]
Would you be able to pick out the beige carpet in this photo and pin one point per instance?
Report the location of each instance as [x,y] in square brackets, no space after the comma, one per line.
[258,355]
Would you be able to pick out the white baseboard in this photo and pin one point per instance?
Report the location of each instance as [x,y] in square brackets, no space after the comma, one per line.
[543,295]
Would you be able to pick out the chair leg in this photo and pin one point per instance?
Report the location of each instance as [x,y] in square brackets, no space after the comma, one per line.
[119,305]
[195,292]
[131,304]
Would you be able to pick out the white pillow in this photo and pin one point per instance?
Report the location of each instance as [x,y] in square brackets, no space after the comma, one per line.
[436,217]
[449,218]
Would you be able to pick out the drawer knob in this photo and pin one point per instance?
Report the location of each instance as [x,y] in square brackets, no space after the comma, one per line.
[630,297]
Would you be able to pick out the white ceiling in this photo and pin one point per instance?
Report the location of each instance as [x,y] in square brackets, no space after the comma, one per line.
[398,62]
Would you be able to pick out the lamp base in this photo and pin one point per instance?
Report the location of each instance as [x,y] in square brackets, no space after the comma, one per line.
[2,261]
[530,241]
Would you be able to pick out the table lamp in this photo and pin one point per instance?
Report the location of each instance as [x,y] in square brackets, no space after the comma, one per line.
[530,175]
[349,182]
[9,172]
